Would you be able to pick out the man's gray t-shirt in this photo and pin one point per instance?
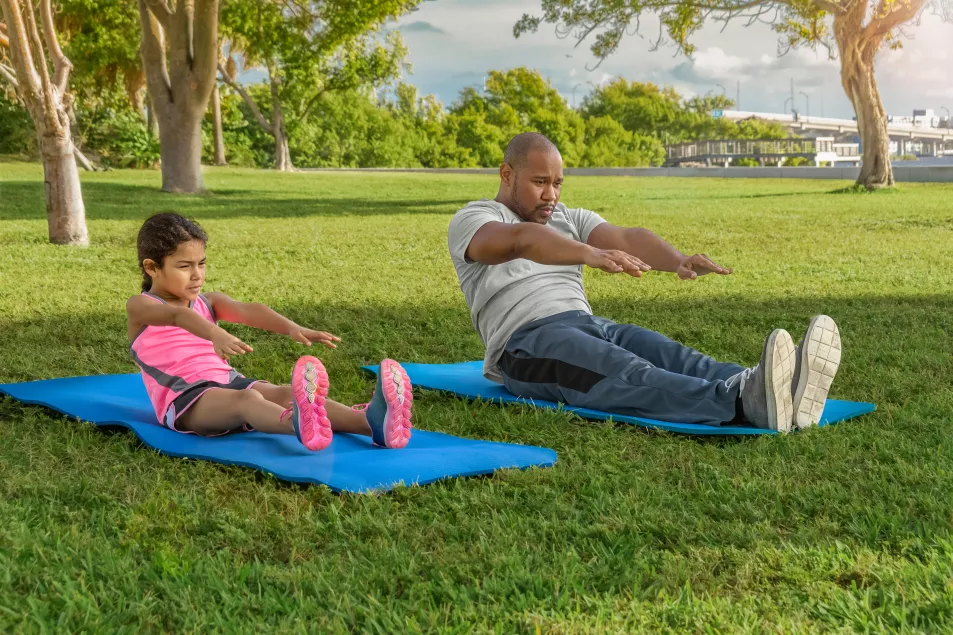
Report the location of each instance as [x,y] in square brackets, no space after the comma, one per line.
[504,297]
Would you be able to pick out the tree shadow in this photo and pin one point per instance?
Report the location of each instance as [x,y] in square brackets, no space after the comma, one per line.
[122,201]
[896,348]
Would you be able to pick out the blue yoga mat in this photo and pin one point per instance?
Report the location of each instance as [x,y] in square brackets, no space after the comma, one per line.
[466,380]
[351,463]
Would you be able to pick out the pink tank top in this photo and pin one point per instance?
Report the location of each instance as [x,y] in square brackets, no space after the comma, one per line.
[172,360]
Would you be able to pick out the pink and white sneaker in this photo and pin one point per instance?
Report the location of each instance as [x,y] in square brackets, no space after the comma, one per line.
[309,416]
[388,412]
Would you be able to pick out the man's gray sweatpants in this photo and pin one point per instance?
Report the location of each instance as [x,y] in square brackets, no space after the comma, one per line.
[591,362]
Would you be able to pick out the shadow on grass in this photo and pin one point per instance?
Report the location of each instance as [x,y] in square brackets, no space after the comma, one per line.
[121,201]
[896,348]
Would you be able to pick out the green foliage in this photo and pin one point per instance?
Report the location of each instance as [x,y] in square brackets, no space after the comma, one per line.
[311,49]
[238,134]
[909,157]
[610,145]
[793,162]
[515,101]
[101,40]
[116,137]
[17,134]
[650,110]
[745,162]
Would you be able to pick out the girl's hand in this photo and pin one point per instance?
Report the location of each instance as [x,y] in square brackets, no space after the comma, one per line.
[308,337]
[227,344]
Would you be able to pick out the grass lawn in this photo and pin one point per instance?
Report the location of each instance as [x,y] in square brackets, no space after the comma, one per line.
[848,528]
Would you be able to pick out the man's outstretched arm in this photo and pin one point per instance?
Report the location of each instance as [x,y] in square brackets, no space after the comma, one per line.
[495,243]
[653,251]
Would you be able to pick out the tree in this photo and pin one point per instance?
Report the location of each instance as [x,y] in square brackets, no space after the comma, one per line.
[652,111]
[609,145]
[101,38]
[856,29]
[308,49]
[180,55]
[516,101]
[47,98]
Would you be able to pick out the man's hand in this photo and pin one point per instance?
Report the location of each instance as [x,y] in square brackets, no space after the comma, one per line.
[226,344]
[308,337]
[614,261]
[698,265]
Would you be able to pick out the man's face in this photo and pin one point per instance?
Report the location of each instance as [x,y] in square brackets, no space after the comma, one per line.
[534,188]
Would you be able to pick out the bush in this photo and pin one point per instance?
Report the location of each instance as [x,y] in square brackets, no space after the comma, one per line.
[17,135]
[116,137]
[746,162]
[795,162]
[909,157]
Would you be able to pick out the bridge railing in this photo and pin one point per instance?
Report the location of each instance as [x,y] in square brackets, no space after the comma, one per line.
[749,147]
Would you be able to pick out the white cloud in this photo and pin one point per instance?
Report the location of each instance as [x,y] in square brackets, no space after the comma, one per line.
[478,36]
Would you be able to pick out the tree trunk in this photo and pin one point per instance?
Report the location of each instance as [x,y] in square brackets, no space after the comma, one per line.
[282,154]
[65,212]
[48,101]
[217,125]
[180,147]
[152,124]
[857,77]
[179,51]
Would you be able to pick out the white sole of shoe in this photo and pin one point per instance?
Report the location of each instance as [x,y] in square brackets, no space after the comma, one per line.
[820,359]
[779,372]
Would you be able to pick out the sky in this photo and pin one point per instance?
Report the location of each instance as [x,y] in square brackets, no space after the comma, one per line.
[453,43]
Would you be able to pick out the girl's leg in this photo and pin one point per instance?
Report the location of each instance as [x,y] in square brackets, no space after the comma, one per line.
[219,410]
[343,419]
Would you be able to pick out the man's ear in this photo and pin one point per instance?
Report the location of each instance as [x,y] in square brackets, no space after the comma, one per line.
[507,174]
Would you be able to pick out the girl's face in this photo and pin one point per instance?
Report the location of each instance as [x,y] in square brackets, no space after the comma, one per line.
[182,273]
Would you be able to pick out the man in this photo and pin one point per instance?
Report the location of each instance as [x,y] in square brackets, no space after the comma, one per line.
[519,260]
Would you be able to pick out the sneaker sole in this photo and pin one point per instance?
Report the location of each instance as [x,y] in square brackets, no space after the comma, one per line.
[399,397]
[777,380]
[309,387]
[820,359]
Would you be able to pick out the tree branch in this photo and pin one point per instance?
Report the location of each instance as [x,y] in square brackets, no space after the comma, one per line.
[61,65]
[9,74]
[49,101]
[20,53]
[153,58]
[259,118]
[161,11]
[205,49]
[311,102]
[888,17]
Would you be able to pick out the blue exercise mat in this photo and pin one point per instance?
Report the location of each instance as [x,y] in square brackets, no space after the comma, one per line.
[466,380]
[351,463]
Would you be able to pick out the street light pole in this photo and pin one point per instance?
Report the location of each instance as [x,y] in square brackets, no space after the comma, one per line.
[807,104]
[947,115]
[574,94]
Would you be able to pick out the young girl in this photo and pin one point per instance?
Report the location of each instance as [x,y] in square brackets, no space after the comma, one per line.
[183,355]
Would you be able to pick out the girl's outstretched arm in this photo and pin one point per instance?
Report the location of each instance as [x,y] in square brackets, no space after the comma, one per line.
[267,319]
[144,312]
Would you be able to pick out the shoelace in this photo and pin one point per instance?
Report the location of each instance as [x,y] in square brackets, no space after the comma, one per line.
[284,415]
[361,407]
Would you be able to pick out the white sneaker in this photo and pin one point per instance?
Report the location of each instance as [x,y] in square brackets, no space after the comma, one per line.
[818,358]
[766,388]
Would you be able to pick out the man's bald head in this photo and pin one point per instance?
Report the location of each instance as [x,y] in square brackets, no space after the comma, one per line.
[520,146]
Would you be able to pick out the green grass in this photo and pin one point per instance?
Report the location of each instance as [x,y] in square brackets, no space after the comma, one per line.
[842,529]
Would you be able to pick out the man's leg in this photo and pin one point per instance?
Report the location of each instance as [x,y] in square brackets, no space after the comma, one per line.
[571,361]
[666,353]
